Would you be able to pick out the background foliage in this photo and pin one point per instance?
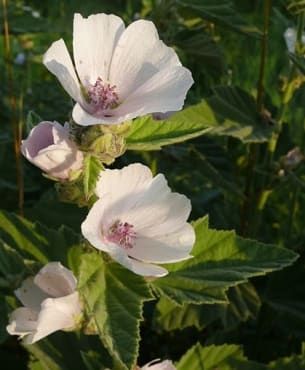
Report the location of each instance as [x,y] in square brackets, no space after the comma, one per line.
[228,153]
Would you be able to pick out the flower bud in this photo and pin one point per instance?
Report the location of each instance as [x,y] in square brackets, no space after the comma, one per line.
[48,147]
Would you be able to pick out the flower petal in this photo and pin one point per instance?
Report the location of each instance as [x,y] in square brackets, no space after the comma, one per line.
[56,314]
[168,249]
[94,39]
[164,365]
[56,280]
[30,295]
[146,269]
[165,91]
[58,62]
[129,179]
[40,137]
[138,56]
[22,321]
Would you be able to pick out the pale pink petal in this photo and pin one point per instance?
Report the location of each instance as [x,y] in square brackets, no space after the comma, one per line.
[146,269]
[56,280]
[169,248]
[164,365]
[130,179]
[30,295]
[56,314]
[22,321]
[94,39]
[155,216]
[40,137]
[165,91]
[58,62]
[138,56]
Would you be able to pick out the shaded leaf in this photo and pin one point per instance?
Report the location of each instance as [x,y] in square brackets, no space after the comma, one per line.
[114,299]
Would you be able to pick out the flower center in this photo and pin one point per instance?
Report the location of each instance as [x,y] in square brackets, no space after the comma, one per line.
[122,233]
[102,95]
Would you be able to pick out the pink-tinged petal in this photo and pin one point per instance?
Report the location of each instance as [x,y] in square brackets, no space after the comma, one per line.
[56,280]
[162,216]
[138,56]
[48,147]
[168,249]
[30,295]
[94,40]
[56,314]
[130,179]
[22,321]
[58,62]
[40,137]
[84,118]
[165,91]
[164,365]
[147,269]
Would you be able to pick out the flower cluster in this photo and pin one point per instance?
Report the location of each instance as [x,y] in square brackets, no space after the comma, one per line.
[118,74]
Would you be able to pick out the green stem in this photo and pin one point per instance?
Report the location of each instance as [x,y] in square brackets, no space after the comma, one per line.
[13,104]
[253,148]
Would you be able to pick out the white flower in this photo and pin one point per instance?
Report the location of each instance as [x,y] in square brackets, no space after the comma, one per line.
[164,365]
[48,147]
[290,37]
[50,301]
[139,221]
[120,73]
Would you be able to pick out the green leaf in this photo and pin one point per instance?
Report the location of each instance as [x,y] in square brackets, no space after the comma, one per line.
[211,357]
[224,357]
[222,13]
[299,61]
[294,362]
[36,241]
[286,296]
[200,45]
[114,299]
[221,260]
[243,304]
[91,172]
[230,111]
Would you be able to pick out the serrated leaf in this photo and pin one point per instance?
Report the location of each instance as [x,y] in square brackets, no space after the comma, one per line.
[114,299]
[230,111]
[224,357]
[223,13]
[36,241]
[91,172]
[221,260]
[243,304]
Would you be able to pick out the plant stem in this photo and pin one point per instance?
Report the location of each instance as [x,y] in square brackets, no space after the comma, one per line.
[13,105]
[253,148]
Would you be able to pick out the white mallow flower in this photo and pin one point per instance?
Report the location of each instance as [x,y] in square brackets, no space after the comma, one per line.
[139,221]
[119,73]
[48,147]
[164,365]
[290,36]
[50,302]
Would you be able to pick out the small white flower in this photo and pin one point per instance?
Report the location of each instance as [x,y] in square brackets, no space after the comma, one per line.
[119,73]
[164,365]
[139,221]
[50,301]
[48,147]
[290,36]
